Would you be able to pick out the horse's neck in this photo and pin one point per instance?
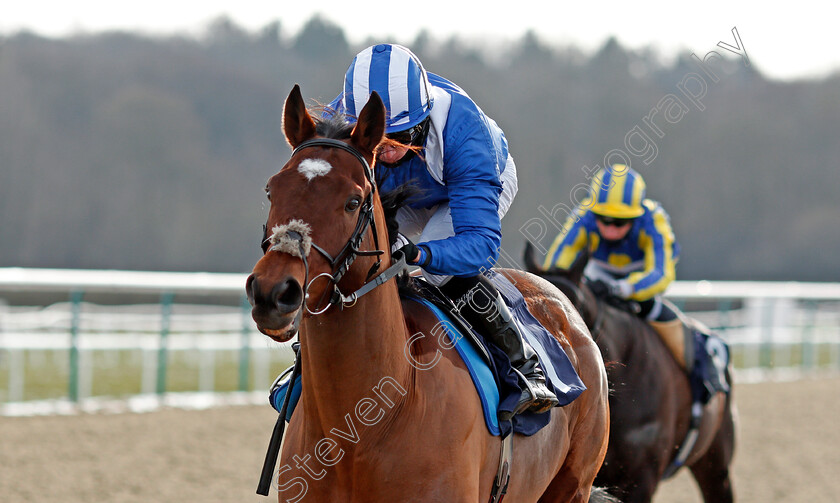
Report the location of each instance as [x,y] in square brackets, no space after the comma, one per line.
[624,333]
[353,354]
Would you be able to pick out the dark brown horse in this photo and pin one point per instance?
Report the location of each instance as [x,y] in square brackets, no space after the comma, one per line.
[386,412]
[650,402]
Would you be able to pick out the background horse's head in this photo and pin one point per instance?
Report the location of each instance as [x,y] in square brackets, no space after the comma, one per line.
[325,213]
[570,281]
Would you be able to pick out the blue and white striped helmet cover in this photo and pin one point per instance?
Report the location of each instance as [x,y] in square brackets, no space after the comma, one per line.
[397,75]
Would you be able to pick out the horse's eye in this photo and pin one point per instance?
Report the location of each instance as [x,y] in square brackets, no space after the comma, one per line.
[267,193]
[353,203]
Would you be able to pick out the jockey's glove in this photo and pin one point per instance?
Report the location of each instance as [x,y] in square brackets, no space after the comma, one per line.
[399,243]
[616,288]
[600,288]
[415,255]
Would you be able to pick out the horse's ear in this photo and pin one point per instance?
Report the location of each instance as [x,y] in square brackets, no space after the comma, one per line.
[297,123]
[530,260]
[577,267]
[370,127]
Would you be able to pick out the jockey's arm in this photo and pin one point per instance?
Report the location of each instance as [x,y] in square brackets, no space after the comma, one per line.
[657,240]
[569,243]
[473,184]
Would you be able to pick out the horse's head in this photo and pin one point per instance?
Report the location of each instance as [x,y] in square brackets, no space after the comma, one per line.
[569,281]
[325,213]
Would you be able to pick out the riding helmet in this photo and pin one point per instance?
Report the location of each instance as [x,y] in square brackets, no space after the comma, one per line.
[399,78]
[618,192]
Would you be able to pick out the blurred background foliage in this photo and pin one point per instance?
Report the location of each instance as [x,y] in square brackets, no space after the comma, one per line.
[128,151]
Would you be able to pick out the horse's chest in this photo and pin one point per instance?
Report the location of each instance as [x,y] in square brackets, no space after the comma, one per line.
[383,482]
[373,470]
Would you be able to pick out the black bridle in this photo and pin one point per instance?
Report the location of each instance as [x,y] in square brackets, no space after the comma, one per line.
[341,262]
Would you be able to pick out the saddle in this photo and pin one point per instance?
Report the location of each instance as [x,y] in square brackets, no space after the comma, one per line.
[561,377]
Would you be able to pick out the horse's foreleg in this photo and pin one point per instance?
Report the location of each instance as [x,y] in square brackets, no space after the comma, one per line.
[712,477]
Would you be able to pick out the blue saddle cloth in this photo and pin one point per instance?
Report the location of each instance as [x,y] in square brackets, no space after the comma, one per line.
[497,385]
[708,374]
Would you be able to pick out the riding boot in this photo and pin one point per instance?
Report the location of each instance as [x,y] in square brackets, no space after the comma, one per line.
[503,331]
[678,341]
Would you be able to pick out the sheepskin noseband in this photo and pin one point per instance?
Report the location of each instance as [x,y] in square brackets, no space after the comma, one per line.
[291,238]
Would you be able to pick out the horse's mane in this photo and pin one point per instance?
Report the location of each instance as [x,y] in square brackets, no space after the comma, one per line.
[392,201]
[332,125]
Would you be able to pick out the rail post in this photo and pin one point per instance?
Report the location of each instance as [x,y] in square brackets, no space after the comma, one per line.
[75,315]
[245,348]
[808,344]
[165,315]
[766,360]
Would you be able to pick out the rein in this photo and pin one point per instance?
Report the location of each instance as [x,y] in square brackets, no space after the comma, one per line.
[600,315]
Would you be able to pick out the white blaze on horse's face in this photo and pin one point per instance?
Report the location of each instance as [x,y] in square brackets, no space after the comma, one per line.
[310,168]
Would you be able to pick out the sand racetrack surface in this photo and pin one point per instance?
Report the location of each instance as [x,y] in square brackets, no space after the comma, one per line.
[788,451]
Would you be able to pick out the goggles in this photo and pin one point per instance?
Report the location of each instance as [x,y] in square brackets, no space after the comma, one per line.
[614,222]
[411,136]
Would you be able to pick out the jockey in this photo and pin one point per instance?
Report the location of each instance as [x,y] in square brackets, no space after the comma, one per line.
[633,256]
[443,142]
[633,251]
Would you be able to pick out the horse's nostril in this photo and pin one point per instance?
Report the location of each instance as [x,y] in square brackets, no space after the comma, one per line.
[249,288]
[287,295]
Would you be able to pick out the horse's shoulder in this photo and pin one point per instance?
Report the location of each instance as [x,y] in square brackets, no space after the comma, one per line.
[427,338]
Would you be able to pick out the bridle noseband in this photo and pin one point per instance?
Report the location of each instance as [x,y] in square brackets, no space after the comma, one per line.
[342,261]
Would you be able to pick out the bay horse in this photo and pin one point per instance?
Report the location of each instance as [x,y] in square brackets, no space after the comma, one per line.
[650,401]
[386,412]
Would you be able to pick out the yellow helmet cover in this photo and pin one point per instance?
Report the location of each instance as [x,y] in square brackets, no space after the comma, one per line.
[618,192]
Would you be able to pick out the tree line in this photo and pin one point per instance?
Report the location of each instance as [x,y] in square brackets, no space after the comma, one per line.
[125,151]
